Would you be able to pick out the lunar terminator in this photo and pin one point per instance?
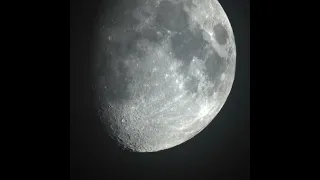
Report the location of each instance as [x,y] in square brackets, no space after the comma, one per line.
[163,70]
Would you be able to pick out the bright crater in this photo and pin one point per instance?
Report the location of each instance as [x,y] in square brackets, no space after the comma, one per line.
[164,69]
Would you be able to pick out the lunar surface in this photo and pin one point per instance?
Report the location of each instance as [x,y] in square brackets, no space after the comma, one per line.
[163,70]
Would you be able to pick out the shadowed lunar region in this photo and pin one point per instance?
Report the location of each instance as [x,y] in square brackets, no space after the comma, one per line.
[163,70]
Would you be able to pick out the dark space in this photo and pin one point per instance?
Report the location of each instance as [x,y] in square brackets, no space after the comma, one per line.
[221,151]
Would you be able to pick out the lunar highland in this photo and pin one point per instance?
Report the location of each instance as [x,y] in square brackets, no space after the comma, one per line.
[163,70]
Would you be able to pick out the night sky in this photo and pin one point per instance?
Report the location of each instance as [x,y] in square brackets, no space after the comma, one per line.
[220,152]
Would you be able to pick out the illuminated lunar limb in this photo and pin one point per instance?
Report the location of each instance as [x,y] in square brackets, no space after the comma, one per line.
[164,70]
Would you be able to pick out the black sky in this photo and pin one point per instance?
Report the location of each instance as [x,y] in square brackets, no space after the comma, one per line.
[221,151]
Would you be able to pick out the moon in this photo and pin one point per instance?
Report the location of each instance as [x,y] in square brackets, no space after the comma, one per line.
[163,70]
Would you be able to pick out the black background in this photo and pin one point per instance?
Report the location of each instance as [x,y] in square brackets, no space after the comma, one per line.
[221,151]
[51,130]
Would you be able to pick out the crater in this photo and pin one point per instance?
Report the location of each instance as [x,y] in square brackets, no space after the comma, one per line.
[221,34]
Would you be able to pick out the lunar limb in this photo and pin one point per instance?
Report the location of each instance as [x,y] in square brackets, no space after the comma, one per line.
[164,69]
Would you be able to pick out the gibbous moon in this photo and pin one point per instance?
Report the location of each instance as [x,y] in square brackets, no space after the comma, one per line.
[163,70]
